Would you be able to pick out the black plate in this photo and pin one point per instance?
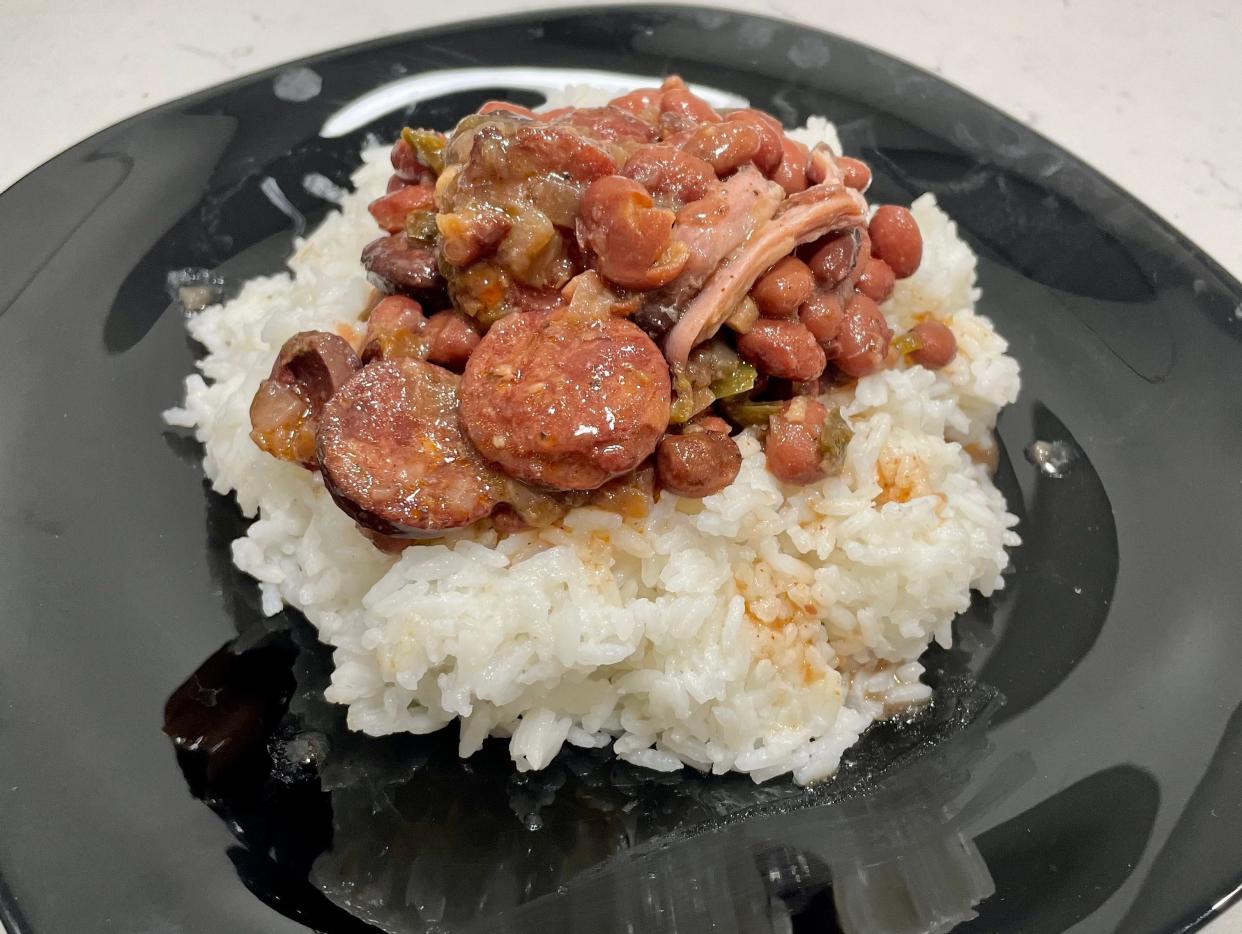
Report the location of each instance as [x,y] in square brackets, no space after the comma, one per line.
[1102,792]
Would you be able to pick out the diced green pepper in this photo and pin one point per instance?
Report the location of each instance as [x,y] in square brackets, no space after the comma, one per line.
[741,379]
[428,146]
[833,441]
[747,412]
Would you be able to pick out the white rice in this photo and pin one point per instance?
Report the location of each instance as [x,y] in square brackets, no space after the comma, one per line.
[759,630]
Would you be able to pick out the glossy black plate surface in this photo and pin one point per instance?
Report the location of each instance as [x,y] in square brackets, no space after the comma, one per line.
[1079,770]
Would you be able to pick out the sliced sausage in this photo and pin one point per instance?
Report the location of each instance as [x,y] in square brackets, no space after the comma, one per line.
[397,265]
[392,454]
[862,343]
[780,290]
[699,462]
[284,413]
[896,239]
[782,348]
[791,447]
[565,401]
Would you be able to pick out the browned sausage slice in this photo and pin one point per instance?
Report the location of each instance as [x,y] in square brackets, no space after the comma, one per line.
[393,456]
[565,400]
[310,367]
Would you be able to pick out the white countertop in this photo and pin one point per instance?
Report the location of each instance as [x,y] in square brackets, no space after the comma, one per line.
[1142,90]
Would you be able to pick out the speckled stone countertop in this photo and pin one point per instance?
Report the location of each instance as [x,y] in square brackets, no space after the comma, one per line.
[1139,89]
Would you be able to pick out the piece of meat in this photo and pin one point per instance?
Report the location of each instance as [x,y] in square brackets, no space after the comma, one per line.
[563,400]
[397,265]
[393,456]
[800,219]
[700,461]
[713,227]
[284,413]
[792,445]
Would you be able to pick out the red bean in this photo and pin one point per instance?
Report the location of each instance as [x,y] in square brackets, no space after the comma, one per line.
[862,343]
[856,172]
[836,259]
[821,314]
[701,461]
[670,172]
[782,348]
[724,146]
[389,211]
[791,173]
[895,238]
[784,287]
[791,446]
[405,162]
[936,345]
[876,281]
[451,337]
[685,103]
[629,236]
[769,155]
[643,103]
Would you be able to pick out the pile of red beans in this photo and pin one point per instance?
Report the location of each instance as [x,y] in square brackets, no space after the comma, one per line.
[618,290]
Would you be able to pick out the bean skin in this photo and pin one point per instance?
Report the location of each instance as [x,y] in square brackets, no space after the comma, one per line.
[936,345]
[821,314]
[784,287]
[782,348]
[896,239]
[877,280]
[862,343]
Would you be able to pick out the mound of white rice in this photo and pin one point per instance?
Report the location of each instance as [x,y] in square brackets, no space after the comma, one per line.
[759,630]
